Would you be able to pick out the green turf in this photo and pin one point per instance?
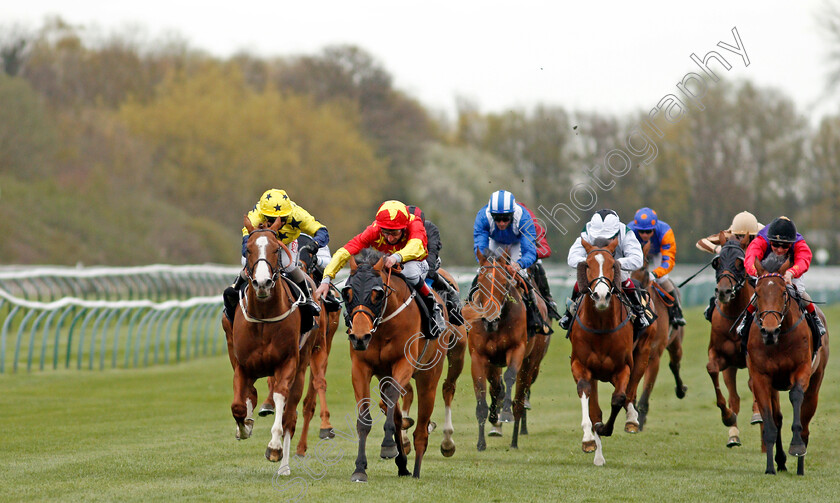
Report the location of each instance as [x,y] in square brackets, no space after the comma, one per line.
[166,433]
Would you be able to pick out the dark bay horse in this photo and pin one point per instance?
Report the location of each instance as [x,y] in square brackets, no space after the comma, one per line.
[328,322]
[602,342]
[662,335]
[455,361]
[386,341]
[779,358]
[733,294]
[497,334]
[264,341]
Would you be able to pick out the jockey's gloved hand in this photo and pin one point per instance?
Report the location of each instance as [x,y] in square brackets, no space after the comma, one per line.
[653,277]
[311,247]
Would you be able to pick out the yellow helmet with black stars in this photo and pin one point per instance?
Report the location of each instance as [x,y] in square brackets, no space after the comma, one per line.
[275,203]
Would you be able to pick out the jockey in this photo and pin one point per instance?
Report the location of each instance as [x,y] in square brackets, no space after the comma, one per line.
[433,279]
[274,204]
[502,225]
[605,224]
[743,224]
[781,239]
[403,236]
[543,251]
[663,247]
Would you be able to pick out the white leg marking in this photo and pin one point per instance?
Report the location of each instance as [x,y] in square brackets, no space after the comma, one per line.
[599,452]
[448,429]
[405,413]
[277,427]
[632,414]
[585,422]
[734,431]
[284,462]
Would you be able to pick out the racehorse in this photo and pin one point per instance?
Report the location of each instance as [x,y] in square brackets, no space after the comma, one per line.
[264,340]
[602,343]
[386,341]
[733,293]
[497,333]
[328,322]
[663,336]
[455,362]
[780,357]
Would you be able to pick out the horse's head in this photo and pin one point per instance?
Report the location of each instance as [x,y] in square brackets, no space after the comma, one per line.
[262,257]
[364,299]
[600,274]
[772,301]
[492,288]
[729,267]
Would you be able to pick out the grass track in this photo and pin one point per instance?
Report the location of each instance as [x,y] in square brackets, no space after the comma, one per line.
[166,433]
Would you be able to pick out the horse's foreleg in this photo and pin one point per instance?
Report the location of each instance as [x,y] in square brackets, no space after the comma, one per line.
[242,407]
[267,408]
[455,361]
[308,413]
[619,399]
[762,394]
[426,389]
[318,381]
[506,415]
[797,445]
[497,395]
[478,369]
[523,384]
[713,368]
[283,379]
[675,352]
[361,390]
[407,399]
[780,457]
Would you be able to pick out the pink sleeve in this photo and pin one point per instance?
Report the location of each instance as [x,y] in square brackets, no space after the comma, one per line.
[754,251]
[802,260]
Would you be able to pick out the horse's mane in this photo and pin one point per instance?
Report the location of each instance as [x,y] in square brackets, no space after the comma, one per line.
[601,242]
[369,256]
[773,262]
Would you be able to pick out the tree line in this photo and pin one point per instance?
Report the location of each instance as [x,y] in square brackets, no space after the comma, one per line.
[121,152]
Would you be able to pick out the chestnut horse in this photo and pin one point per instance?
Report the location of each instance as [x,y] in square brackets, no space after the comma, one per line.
[733,294]
[264,341]
[386,341]
[779,358]
[663,336]
[602,343]
[497,332]
[455,362]
[328,322]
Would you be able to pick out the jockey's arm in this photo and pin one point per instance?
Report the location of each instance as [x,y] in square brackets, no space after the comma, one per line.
[668,248]
[481,233]
[633,256]
[577,253]
[309,225]
[755,250]
[802,258]
[527,242]
[709,244]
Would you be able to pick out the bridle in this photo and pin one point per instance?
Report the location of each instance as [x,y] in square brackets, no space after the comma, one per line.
[611,287]
[491,296]
[376,310]
[737,283]
[786,296]
[273,269]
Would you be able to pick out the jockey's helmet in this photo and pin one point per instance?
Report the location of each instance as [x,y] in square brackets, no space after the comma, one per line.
[603,224]
[645,219]
[745,223]
[392,215]
[501,201]
[781,230]
[275,203]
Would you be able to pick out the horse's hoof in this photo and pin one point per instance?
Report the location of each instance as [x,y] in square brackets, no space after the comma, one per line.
[284,471]
[403,472]
[326,433]
[431,427]
[481,446]
[770,471]
[406,445]
[407,422]
[601,430]
[632,427]
[527,404]
[273,455]
[589,446]
[734,441]
[731,421]
[300,456]
[388,452]
[506,416]
[496,430]
[447,448]
[358,477]
[681,391]
[797,450]
[756,419]
[266,410]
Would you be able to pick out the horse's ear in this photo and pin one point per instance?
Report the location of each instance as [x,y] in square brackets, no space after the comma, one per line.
[745,241]
[480,256]
[248,225]
[722,238]
[646,248]
[379,264]
[586,245]
[785,266]
[276,225]
[759,268]
[614,243]
[353,265]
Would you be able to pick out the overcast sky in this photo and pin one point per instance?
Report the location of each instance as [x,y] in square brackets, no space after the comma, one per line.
[615,57]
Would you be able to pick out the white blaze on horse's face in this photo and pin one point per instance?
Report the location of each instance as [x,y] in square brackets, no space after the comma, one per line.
[601,293]
[262,273]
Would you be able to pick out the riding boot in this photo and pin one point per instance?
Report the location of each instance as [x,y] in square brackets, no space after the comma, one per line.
[817,329]
[451,298]
[231,297]
[709,310]
[308,303]
[532,313]
[675,311]
[565,321]
[436,322]
[743,330]
[472,288]
[541,280]
[641,321]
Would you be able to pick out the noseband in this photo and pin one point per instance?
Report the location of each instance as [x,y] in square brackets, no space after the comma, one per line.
[600,279]
[786,296]
[737,283]
[274,269]
[492,287]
